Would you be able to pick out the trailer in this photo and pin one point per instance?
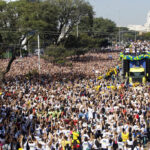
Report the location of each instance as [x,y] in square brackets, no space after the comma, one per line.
[136,66]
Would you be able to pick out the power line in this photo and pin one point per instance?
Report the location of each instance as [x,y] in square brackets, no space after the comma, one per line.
[57,33]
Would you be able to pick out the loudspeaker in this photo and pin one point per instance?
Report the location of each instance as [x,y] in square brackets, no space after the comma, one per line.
[148,68]
[125,67]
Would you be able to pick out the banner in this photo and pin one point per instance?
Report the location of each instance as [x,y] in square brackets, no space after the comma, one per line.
[132,58]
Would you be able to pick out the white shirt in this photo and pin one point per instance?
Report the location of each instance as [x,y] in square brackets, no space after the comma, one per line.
[121,145]
[129,142]
[138,148]
[32,146]
[85,135]
[104,143]
[85,146]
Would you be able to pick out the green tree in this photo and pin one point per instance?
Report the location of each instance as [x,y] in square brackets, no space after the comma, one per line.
[21,21]
[144,36]
[57,54]
[103,27]
[70,12]
[49,14]
[83,41]
[92,34]
[86,23]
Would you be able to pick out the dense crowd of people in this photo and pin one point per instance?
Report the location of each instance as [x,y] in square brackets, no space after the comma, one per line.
[87,65]
[137,47]
[62,110]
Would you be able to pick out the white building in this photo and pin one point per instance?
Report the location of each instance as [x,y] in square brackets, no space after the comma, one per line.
[140,28]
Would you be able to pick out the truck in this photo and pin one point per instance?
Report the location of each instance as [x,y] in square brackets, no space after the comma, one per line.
[136,67]
[137,74]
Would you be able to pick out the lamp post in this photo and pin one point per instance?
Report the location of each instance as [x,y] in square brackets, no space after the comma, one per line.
[38,39]
[135,36]
[78,27]
[119,37]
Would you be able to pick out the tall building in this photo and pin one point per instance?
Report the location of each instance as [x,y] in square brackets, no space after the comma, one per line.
[141,28]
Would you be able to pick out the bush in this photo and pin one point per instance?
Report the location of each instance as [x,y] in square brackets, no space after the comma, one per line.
[31,73]
[57,54]
[69,64]
[61,62]
[83,41]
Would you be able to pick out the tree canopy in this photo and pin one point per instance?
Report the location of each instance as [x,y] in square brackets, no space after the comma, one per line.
[69,14]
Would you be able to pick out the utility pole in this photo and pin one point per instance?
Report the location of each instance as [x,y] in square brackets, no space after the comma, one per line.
[119,37]
[38,38]
[78,27]
[28,47]
[122,39]
[135,36]
[20,53]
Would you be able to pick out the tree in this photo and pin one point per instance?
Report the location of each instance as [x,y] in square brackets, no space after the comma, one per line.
[70,12]
[57,54]
[86,23]
[49,14]
[144,36]
[20,21]
[103,27]
[11,36]
[83,41]
[93,32]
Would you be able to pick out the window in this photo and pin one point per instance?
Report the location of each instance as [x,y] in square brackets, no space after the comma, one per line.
[136,74]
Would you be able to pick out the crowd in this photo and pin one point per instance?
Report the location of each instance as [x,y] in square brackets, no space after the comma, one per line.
[137,47]
[64,112]
[87,65]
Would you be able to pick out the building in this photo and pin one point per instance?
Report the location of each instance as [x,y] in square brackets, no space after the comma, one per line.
[141,28]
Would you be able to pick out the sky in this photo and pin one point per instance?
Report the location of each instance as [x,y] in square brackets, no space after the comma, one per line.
[122,12]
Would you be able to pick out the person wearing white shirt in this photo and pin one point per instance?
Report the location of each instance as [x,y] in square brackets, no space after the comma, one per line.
[138,148]
[86,144]
[130,144]
[120,144]
[90,113]
[104,143]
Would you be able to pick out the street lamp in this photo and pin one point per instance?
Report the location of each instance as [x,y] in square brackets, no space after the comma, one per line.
[119,37]
[38,39]
[135,36]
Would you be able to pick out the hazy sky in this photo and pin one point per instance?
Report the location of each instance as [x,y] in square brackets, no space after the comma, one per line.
[123,12]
